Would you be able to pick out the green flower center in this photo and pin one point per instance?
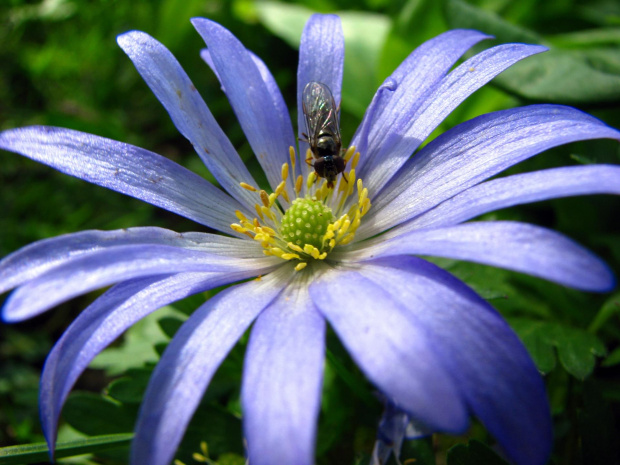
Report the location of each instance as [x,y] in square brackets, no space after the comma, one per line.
[312,225]
[305,222]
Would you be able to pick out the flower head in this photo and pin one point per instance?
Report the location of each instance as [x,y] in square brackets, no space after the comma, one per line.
[340,250]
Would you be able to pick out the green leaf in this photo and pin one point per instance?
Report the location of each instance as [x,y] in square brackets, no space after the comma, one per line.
[565,76]
[130,388]
[587,38]
[170,325]
[364,35]
[460,14]
[32,453]
[612,359]
[138,345]
[284,20]
[93,414]
[576,348]
[574,76]
[474,453]
[609,308]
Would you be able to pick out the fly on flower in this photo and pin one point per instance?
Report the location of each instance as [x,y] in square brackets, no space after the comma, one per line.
[321,115]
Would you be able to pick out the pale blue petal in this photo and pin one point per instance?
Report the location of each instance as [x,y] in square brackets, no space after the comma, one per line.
[515,246]
[321,59]
[282,381]
[490,366]
[408,87]
[37,258]
[102,323]
[188,364]
[127,169]
[108,266]
[398,356]
[266,124]
[516,190]
[472,152]
[189,113]
[402,133]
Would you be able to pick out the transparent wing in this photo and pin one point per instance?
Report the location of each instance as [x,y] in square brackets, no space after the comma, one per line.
[320,113]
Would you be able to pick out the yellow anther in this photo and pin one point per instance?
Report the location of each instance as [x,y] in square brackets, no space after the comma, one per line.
[260,237]
[363,196]
[295,247]
[300,266]
[366,206]
[349,153]
[312,251]
[346,239]
[285,196]
[332,243]
[275,251]
[248,187]
[360,186]
[284,172]
[240,215]
[355,161]
[258,211]
[291,154]
[345,227]
[311,179]
[268,213]
[264,197]
[272,198]
[268,230]
[298,184]
[290,256]
[322,256]
[238,228]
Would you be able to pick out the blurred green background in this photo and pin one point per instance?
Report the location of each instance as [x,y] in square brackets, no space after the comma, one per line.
[60,66]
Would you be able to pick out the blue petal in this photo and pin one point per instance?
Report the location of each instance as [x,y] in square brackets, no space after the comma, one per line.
[188,364]
[515,246]
[486,360]
[127,169]
[405,127]
[35,259]
[173,88]
[101,324]
[397,355]
[255,98]
[282,381]
[472,152]
[108,266]
[408,87]
[516,190]
[321,58]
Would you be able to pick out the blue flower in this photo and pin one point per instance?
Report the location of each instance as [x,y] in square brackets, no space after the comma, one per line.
[344,256]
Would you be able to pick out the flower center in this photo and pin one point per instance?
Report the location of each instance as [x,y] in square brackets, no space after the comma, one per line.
[316,221]
[305,222]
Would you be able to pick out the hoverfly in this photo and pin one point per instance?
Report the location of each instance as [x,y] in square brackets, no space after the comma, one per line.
[321,114]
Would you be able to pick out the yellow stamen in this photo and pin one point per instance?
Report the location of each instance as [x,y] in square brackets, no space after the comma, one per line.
[298,183]
[259,212]
[274,225]
[248,187]
[264,197]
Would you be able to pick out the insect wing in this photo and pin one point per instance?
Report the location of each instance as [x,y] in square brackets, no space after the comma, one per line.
[320,113]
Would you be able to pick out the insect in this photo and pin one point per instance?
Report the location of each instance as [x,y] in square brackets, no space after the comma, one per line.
[321,114]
